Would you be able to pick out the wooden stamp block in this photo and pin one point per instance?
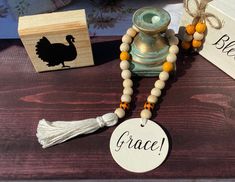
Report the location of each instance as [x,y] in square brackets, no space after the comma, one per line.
[56,41]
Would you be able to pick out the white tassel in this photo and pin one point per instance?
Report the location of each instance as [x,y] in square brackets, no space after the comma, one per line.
[52,133]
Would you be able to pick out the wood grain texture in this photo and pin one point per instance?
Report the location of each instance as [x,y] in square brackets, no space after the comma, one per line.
[55,27]
[197,109]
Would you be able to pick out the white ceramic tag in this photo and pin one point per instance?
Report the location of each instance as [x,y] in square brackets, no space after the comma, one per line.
[139,149]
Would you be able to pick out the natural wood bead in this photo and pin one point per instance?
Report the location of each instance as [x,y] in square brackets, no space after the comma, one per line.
[170,33]
[187,37]
[126,74]
[190,29]
[131,32]
[124,47]
[167,66]
[124,105]
[124,56]
[197,43]
[186,45]
[164,76]
[135,28]
[124,65]
[156,91]
[174,49]
[152,99]
[126,98]
[174,40]
[120,113]
[159,84]
[171,58]
[128,91]
[146,114]
[149,106]
[198,36]
[126,39]
[201,27]
[127,83]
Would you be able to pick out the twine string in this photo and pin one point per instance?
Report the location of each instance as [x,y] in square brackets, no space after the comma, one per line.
[201,15]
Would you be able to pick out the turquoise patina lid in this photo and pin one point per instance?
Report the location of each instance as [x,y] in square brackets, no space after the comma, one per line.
[151,20]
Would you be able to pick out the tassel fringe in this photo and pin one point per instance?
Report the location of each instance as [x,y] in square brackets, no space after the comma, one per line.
[52,133]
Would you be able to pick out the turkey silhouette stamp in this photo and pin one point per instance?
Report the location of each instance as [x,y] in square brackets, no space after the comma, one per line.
[56,41]
[57,53]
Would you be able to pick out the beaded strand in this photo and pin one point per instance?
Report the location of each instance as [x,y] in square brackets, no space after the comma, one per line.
[193,35]
[167,67]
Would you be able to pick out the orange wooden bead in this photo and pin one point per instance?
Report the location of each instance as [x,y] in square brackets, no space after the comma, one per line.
[190,29]
[196,43]
[201,27]
[124,56]
[124,105]
[149,106]
[186,45]
[167,66]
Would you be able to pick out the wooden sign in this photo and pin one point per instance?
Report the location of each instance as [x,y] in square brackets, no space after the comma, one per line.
[56,41]
[219,44]
[139,148]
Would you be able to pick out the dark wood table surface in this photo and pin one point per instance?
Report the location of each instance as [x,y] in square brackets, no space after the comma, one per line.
[197,109]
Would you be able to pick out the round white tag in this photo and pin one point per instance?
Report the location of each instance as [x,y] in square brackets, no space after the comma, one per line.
[139,148]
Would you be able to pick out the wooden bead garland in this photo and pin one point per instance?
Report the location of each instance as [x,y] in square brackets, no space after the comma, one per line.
[126,39]
[124,105]
[190,29]
[52,133]
[149,106]
[124,65]
[128,91]
[159,84]
[200,27]
[124,47]
[120,112]
[124,56]
[131,32]
[198,36]
[167,67]
[194,35]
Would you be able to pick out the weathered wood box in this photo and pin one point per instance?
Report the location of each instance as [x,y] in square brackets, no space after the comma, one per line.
[56,41]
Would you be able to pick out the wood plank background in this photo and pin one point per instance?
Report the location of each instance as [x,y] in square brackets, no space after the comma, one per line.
[197,109]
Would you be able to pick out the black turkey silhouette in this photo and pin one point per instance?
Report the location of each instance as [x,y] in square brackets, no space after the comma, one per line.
[55,54]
